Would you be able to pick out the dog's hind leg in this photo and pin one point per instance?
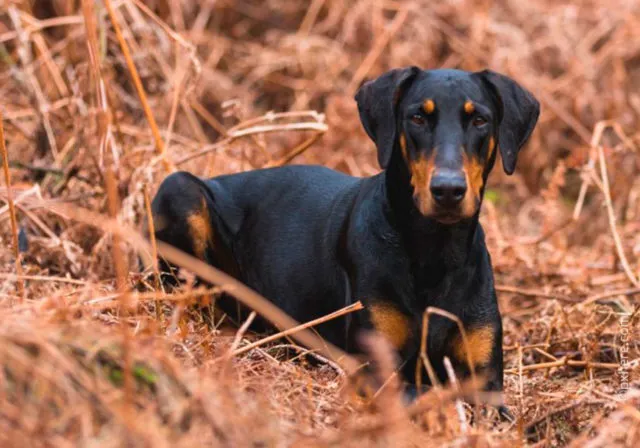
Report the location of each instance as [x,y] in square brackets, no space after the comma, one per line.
[182,218]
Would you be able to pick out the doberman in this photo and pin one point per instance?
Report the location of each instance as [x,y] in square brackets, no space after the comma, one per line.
[313,240]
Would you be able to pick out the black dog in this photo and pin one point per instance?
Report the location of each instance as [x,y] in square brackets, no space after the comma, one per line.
[313,240]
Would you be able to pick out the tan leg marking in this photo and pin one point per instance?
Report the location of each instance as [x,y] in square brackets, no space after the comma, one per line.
[389,321]
[200,230]
[480,342]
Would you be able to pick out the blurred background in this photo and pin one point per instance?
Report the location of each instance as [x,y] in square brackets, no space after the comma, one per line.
[226,86]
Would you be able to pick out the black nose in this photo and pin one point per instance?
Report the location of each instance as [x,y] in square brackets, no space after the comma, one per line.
[448,187]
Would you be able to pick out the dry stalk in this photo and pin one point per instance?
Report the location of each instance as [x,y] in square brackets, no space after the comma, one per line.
[535,293]
[160,149]
[465,342]
[459,404]
[122,270]
[253,127]
[12,211]
[614,293]
[388,398]
[346,310]
[433,378]
[377,49]
[561,363]
[612,219]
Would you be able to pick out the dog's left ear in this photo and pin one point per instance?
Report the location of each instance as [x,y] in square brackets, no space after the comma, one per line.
[377,101]
[518,117]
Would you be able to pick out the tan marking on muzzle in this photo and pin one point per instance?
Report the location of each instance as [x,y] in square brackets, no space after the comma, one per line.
[421,171]
[429,106]
[390,322]
[473,171]
[469,107]
[200,230]
[480,342]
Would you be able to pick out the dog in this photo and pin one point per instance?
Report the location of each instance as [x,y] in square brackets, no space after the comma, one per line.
[313,240]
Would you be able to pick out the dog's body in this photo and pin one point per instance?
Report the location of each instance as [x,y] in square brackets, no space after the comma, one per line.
[313,240]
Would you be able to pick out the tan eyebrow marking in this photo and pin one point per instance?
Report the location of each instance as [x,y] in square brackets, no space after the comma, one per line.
[429,106]
[469,107]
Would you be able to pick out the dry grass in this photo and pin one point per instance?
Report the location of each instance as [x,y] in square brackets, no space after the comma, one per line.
[564,232]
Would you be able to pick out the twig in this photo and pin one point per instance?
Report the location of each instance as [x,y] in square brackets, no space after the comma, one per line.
[208,117]
[240,334]
[121,269]
[615,292]
[139,88]
[321,127]
[346,310]
[43,278]
[24,52]
[559,410]
[104,116]
[377,49]
[465,342]
[252,127]
[310,17]
[307,352]
[612,219]
[158,296]
[388,398]
[433,378]
[12,211]
[535,293]
[302,147]
[454,384]
[46,170]
[565,362]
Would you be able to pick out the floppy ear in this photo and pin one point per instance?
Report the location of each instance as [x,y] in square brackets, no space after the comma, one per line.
[377,101]
[518,117]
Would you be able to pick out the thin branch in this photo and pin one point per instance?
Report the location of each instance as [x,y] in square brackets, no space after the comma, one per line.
[12,211]
[160,149]
[346,310]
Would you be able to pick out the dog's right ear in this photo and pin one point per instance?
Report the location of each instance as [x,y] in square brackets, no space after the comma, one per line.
[377,101]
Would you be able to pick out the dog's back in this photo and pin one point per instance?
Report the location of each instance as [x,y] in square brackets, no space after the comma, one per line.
[291,217]
[282,233]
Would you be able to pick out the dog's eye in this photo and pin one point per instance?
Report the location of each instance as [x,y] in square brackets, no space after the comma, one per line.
[417,119]
[479,121]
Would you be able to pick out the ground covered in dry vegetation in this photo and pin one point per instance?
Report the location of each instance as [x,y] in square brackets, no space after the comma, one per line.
[101,100]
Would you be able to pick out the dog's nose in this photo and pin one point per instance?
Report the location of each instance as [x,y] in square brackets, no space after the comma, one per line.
[448,187]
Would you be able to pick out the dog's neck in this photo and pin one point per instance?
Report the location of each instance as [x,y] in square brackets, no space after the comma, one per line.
[430,244]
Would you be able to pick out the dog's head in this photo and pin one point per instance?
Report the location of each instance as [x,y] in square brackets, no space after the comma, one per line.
[446,125]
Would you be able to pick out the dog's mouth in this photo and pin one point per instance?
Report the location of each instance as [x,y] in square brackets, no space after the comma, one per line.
[448,218]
